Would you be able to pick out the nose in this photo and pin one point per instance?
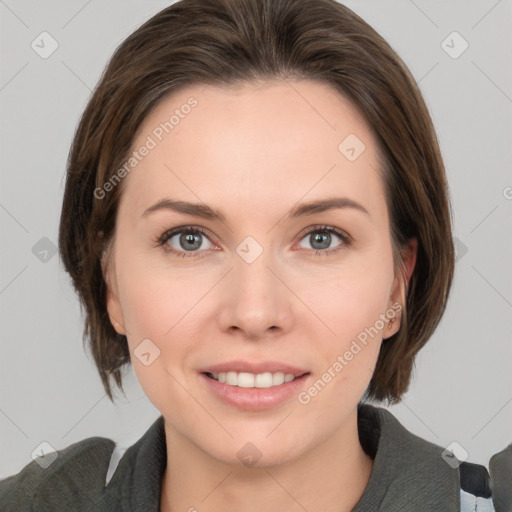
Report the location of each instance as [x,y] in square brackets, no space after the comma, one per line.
[255,300]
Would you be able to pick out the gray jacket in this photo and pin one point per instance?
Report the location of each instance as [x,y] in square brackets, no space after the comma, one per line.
[409,474]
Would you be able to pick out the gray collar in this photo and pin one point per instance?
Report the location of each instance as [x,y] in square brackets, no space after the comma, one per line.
[409,473]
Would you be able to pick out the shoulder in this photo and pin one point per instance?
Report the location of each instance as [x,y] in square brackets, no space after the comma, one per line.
[58,478]
[430,470]
[93,474]
[500,467]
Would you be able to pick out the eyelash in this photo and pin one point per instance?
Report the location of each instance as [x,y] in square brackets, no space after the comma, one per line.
[167,235]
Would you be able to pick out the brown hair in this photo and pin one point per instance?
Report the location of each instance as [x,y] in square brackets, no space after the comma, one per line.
[223,42]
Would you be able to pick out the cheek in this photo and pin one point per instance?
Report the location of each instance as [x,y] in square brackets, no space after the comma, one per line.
[168,307]
[154,297]
[352,299]
[351,308]
[145,307]
[156,307]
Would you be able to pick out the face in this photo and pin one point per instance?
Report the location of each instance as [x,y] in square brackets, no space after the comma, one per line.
[265,281]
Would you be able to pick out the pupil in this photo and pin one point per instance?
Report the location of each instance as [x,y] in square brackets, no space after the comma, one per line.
[326,237]
[188,241]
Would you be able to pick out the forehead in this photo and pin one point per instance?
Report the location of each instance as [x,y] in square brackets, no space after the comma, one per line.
[276,141]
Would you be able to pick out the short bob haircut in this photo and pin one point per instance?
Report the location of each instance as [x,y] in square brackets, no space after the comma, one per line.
[228,42]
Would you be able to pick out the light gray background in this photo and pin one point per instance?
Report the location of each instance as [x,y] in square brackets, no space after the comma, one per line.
[50,389]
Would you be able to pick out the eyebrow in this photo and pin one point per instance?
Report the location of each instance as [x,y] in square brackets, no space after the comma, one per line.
[302,210]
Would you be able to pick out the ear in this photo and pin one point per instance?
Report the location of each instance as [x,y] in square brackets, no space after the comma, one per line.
[114,309]
[402,278]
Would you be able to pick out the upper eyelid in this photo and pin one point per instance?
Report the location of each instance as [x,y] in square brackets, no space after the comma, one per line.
[169,233]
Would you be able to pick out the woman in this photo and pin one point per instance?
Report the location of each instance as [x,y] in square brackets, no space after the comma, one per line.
[256,217]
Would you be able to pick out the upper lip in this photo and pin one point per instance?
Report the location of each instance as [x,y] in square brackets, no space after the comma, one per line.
[256,368]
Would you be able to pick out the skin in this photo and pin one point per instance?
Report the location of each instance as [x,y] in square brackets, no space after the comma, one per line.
[253,151]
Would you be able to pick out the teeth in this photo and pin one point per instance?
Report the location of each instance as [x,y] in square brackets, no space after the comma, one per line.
[250,380]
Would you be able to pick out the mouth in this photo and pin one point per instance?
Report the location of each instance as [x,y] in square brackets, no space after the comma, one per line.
[254,392]
[252,380]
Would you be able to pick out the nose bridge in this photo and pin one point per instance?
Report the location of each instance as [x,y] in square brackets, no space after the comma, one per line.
[256,301]
[252,270]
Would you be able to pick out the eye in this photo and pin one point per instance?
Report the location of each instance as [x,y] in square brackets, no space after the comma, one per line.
[181,241]
[321,238]
[187,241]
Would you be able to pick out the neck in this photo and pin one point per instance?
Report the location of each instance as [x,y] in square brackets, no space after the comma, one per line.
[330,477]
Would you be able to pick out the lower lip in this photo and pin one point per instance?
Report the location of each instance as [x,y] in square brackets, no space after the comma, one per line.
[254,399]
